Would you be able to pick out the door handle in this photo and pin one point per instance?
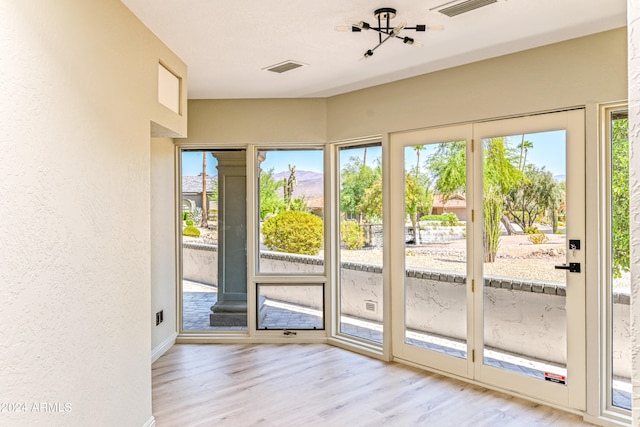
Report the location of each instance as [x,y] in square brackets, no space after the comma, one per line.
[573,267]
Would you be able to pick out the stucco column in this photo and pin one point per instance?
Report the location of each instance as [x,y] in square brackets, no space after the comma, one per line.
[231,307]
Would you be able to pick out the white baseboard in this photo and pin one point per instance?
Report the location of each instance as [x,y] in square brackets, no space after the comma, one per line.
[151,422]
[163,347]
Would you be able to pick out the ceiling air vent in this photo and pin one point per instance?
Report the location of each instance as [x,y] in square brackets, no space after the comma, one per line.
[465,6]
[283,67]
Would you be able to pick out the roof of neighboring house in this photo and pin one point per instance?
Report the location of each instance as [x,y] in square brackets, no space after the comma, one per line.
[193,184]
[455,201]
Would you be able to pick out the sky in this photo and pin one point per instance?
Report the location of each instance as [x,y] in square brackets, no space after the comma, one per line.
[548,150]
[279,160]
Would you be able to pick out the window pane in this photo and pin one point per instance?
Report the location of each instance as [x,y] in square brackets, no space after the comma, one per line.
[524,235]
[290,306]
[621,281]
[214,251]
[360,256]
[435,260]
[291,211]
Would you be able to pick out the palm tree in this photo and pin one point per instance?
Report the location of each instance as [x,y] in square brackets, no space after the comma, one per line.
[418,149]
[524,147]
[204,223]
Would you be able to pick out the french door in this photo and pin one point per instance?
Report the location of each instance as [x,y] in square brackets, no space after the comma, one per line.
[488,253]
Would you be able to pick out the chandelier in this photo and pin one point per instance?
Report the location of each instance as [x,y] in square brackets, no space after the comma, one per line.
[385,31]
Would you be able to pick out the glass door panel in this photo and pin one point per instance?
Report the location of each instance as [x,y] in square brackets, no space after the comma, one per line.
[435,252]
[431,211]
[524,238]
[531,242]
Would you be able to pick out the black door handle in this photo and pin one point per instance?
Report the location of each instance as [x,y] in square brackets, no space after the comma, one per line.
[573,267]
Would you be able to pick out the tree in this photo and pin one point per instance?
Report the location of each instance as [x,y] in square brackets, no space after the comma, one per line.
[418,198]
[355,179]
[418,149]
[270,202]
[491,213]
[371,202]
[524,147]
[289,183]
[448,165]
[204,223]
[537,193]
[500,177]
[620,196]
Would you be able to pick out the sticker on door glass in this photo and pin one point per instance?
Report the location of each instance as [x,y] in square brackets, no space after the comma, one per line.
[555,378]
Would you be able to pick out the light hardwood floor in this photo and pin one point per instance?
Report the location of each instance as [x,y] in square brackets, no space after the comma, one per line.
[321,385]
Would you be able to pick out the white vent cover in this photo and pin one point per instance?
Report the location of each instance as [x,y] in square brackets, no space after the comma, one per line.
[465,6]
[283,67]
[371,306]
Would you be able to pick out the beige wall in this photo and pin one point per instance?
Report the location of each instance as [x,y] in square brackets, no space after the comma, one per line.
[576,72]
[257,120]
[551,77]
[163,245]
[79,92]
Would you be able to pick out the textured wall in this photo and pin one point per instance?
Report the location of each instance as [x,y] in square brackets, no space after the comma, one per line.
[257,120]
[163,241]
[78,83]
[545,78]
[633,33]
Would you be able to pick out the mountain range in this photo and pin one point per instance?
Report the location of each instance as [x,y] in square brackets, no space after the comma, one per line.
[310,184]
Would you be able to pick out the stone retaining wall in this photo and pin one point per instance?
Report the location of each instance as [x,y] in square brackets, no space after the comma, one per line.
[521,316]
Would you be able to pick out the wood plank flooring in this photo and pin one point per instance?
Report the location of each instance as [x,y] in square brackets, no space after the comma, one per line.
[322,385]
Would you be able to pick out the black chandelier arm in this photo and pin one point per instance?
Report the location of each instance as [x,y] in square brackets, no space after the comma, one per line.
[369,52]
[385,30]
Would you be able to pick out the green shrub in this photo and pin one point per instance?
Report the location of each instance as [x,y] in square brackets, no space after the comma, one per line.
[351,234]
[190,230]
[294,232]
[196,215]
[185,215]
[449,219]
[432,218]
[189,222]
[538,238]
[531,230]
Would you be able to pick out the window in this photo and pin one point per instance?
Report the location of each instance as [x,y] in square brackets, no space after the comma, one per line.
[214,241]
[360,255]
[290,306]
[618,280]
[291,211]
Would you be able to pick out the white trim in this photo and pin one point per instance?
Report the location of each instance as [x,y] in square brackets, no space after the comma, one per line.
[163,347]
[605,421]
[208,338]
[361,347]
[151,422]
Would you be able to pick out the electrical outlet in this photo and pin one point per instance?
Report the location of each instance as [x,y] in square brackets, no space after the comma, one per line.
[159,317]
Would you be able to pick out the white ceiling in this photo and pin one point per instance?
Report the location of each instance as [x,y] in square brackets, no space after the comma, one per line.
[227,43]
